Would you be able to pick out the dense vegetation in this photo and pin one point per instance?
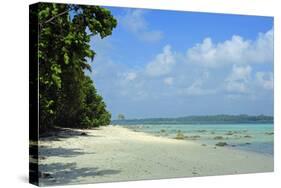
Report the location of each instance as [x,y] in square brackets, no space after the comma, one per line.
[67,96]
[215,119]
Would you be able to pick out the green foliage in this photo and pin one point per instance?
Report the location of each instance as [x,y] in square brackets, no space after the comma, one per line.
[94,111]
[121,117]
[67,96]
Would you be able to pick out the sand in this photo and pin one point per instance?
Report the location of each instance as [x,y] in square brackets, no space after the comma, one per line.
[116,153]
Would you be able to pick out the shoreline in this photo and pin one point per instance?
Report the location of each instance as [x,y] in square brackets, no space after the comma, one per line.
[233,139]
[197,142]
[116,153]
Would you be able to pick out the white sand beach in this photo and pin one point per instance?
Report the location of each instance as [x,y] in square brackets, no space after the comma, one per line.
[116,153]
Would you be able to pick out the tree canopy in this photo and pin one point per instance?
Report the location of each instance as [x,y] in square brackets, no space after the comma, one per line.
[67,96]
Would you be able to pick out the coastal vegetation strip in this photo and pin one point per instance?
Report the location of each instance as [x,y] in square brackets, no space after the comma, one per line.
[208,119]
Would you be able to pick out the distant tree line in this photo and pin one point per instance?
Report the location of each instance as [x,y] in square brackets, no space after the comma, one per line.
[208,119]
[67,96]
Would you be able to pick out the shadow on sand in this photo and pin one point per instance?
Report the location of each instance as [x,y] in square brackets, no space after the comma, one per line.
[58,173]
[61,133]
[61,173]
[68,173]
[60,152]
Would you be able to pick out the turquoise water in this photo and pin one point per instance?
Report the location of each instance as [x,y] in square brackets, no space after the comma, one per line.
[251,137]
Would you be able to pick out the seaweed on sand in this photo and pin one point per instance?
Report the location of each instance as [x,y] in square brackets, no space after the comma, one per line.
[180,136]
[221,144]
[218,138]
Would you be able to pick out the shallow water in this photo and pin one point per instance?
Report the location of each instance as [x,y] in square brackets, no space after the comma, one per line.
[251,137]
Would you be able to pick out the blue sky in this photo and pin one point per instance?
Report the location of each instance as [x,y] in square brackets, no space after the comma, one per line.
[170,63]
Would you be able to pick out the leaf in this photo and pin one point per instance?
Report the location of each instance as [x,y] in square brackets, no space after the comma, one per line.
[56,80]
[66,58]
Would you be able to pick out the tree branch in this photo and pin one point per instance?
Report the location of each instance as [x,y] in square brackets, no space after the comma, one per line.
[52,18]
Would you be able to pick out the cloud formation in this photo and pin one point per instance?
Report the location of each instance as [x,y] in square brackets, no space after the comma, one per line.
[130,76]
[162,64]
[135,22]
[265,80]
[236,50]
[168,81]
[235,71]
[198,87]
[239,79]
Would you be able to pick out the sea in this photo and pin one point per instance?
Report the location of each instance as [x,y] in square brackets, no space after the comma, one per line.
[257,138]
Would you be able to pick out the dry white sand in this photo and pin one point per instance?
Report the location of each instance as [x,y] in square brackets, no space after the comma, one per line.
[115,153]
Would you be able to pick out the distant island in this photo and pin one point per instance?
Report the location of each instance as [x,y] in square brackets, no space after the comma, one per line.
[206,119]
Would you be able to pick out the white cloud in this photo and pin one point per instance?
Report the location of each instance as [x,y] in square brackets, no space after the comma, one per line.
[168,81]
[240,73]
[135,22]
[239,79]
[265,80]
[130,76]
[197,87]
[162,64]
[234,51]
[236,87]
[262,49]
[168,74]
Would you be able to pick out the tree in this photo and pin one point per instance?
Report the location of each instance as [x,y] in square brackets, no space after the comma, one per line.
[120,117]
[93,113]
[66,95]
